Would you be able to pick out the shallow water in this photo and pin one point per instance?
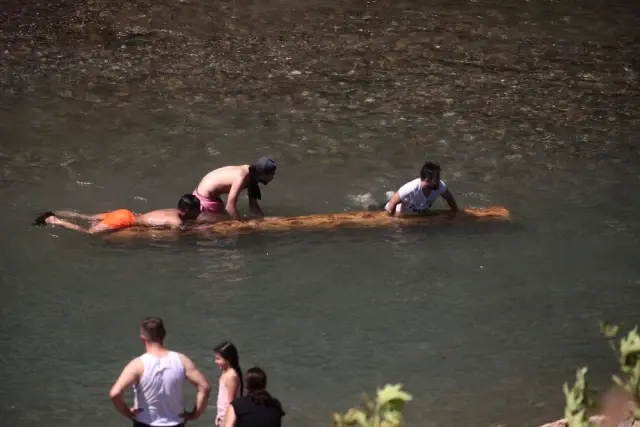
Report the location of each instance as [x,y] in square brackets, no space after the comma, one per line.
[533,106]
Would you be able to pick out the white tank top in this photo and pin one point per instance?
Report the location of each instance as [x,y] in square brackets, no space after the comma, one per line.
[159,392]
[413,198]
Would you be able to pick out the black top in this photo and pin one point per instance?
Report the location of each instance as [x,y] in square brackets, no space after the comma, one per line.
[249,414]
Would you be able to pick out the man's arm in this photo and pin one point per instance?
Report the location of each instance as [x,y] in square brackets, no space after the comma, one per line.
[204,389]
[450,200]
[393,202]
[232,199]
[130,375]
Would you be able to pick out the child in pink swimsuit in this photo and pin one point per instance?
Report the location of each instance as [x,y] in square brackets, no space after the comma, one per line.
[230,385]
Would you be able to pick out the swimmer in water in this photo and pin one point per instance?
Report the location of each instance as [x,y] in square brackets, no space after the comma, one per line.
[188,211]
[232,180]
[417,196]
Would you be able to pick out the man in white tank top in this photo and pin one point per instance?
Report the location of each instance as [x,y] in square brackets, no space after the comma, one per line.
[157,378]
[417,196]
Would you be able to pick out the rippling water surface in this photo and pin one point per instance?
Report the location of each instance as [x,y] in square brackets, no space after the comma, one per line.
[529,105]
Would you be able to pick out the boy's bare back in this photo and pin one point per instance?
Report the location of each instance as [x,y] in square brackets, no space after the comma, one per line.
[160,218]
[219,181]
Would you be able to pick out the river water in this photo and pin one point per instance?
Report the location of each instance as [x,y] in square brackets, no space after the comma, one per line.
[529,105]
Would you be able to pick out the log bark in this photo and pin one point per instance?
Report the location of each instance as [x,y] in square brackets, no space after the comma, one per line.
[357,219]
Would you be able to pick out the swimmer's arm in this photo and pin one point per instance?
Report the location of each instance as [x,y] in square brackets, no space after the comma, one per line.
[393,202]
[232,199]
[71,214]
[204,389]
[450,200]
[130,375]
[98,228]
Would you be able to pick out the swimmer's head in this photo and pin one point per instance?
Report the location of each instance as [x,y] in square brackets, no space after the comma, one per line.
[263,170]
[189,207]
[430,175]
[152,330]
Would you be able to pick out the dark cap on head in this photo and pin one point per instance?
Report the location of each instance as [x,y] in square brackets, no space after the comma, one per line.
[265,166]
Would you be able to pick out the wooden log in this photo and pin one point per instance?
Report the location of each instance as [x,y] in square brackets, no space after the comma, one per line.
[357,219]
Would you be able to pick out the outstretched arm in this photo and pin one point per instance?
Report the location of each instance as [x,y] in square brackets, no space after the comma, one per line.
[450,200]
[71,214]
[98,228]
[204,389]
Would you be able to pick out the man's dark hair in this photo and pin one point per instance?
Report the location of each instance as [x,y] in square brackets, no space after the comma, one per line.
[152,329]
[188,203]
[429,170]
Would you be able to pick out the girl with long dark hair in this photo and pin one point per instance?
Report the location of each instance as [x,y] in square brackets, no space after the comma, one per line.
[257,408]
[230,385]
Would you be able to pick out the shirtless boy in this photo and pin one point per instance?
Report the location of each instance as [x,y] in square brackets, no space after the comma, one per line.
[417,196]
[232,180]
[188,210]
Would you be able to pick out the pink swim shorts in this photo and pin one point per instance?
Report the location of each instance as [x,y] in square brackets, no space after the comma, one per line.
[208,205]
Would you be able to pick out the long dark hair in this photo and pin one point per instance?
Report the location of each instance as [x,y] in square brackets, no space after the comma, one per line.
[256,380]
[229,352]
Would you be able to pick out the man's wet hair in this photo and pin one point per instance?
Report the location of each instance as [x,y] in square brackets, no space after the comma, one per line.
[429,170]
[188,203]
[152,329]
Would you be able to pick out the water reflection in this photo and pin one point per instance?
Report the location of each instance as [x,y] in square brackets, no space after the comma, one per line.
[220,261]
[523,104]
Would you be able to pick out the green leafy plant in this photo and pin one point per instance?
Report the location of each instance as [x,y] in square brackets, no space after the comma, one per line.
[628,355]
[383,411]
[386,409]
[578,401]
[627,350]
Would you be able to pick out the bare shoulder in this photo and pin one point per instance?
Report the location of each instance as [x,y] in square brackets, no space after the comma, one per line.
[232,375]
[187,363]
[135,365]
[160,217]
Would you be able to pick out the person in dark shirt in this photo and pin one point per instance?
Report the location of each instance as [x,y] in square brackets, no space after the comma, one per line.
[257,408]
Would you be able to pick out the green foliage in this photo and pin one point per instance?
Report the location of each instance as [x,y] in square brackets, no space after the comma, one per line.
[627,351]
[578,401]
[628,354]
[383,411]
[386,409]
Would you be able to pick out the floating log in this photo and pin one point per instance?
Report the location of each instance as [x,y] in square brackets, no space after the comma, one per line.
[357,219]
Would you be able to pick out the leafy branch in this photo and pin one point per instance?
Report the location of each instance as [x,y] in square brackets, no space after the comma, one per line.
[383,411]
